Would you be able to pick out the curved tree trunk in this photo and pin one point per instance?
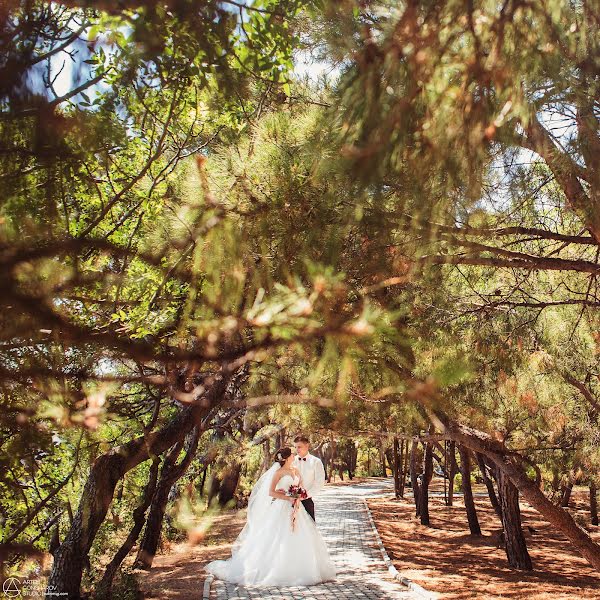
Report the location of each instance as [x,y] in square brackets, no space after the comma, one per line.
[516,547]
[465,471]
[171,472]
[566,496]
[104,587]
[489,484]
[98,491]
[149,544]
[511,465]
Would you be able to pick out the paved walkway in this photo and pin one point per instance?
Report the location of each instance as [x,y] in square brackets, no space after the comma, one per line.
[362,573]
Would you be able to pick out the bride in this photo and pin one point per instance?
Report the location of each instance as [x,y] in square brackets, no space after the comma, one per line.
[269,551]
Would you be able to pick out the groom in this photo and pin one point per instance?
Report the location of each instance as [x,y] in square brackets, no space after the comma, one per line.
[312,472]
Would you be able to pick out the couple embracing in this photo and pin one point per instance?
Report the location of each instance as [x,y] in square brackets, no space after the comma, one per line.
[280,544]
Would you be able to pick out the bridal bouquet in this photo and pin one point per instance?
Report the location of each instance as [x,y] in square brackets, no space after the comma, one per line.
[295,491]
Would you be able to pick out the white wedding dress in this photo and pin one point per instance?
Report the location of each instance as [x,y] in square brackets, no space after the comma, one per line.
[268,552]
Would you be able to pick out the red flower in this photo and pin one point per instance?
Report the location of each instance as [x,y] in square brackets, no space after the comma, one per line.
[295,491]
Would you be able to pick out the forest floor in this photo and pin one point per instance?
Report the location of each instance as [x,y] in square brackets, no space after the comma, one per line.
[177,572]
[444,558]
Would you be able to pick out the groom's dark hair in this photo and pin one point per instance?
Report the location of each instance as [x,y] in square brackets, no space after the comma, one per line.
[301,438]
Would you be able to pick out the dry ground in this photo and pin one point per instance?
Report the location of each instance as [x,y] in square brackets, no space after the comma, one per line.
[444,558]
[177,572]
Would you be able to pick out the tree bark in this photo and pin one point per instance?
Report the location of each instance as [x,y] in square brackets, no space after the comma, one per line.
[516,547]
[414,479]
[489,484]
[223,487]
[451,471]
[104,587]
[168,475]
[404,466]
[382,459]
[98,491]
[203,480]
[425,481]
[566,496]
[396,468]
[465,471]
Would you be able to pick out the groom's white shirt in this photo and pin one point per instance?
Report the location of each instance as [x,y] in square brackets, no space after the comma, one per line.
[312,472]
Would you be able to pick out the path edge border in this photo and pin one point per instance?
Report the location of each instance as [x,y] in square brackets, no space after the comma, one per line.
[411,585]
[206,589]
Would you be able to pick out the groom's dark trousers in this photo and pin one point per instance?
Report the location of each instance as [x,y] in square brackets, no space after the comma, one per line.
[309,505]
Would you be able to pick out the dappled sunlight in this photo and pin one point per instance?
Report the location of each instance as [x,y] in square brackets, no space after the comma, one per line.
[447,559]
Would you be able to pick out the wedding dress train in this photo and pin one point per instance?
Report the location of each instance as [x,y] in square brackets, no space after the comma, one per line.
[268,552]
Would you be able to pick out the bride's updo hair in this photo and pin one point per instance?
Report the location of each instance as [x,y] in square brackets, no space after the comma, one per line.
[282,455]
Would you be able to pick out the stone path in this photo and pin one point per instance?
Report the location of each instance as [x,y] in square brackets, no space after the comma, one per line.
[343,521]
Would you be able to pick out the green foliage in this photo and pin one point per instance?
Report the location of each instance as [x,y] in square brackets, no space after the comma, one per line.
[391,246]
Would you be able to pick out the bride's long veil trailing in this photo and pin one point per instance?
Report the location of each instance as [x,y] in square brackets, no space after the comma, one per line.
[258,504]
[265,552]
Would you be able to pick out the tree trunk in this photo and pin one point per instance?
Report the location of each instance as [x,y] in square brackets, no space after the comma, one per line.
[382,458]
[348,454]
[396,468]
[389,455]
[566,496]
[332,453]
[171,472]
[489,484]
[414,479]
[98,491]
[512,466]
[445,472]
[403,465]
[229,484]
[104,587]
[516,548]
[425,481]
[54,541]
[280,438]
[465,471]
[451,471]
[223,488]
[203,480]
[267,455]
[593,503]
[152,531]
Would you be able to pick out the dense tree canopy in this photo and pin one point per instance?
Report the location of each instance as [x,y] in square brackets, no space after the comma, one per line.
[204,251]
